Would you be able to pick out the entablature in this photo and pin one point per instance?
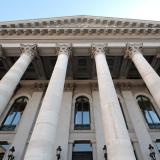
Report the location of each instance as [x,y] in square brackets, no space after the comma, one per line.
[81,49]
[80,26]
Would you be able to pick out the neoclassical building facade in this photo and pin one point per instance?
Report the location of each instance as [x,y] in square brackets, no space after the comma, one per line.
[80,88]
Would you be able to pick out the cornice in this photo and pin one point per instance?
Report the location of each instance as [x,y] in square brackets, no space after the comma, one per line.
[80,25]
[70,84]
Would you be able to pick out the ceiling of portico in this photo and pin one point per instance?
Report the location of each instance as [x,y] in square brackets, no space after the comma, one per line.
[81,65]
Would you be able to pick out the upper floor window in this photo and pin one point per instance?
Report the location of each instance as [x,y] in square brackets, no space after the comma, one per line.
[82,114]
[149,112]
[14,115]
[82,150]
[4,146]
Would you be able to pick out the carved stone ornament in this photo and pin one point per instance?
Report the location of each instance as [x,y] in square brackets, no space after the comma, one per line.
[69,86]
[29,49]
[124,85]
[64,48]
[98,48]
[40,86]
[133,48]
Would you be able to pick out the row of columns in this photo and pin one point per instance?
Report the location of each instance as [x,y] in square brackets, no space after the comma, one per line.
[44,134]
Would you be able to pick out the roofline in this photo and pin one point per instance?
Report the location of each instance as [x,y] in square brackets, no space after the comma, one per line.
[78,16]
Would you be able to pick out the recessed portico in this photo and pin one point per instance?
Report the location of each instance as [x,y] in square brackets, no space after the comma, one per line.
[85,56]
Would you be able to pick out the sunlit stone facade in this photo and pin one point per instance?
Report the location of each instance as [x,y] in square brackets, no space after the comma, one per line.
[87,86]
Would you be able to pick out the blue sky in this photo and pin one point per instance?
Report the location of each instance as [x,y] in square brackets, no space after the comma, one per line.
[32,9]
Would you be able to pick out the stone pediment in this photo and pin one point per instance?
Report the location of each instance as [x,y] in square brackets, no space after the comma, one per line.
[80,25]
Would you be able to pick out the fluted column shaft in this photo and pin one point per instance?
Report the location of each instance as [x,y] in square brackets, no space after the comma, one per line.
[11,79]
[116,134]
[41,145]
[150,77]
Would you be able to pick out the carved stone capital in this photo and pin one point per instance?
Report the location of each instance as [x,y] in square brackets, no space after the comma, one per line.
[64,48]
[133,48]
[98,48]
[28,49]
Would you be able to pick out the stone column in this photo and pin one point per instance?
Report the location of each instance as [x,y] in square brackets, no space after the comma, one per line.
[116,135]
[42,142]
[11,79]
[150,77]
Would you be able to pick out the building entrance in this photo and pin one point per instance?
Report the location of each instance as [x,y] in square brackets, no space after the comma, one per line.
[82,150]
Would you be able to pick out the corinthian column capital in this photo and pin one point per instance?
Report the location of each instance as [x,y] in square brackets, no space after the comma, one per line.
[64,48]
[29,49]
[133,48]
[98,48]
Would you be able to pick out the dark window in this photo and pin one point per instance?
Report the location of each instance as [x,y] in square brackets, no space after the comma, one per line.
[149,112]
[82,150]
[158,144]
[4,146]
[14,115]
[82,114]
[82,62]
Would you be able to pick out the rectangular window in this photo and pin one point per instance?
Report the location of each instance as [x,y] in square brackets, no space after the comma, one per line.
[82,150]
[82,114]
